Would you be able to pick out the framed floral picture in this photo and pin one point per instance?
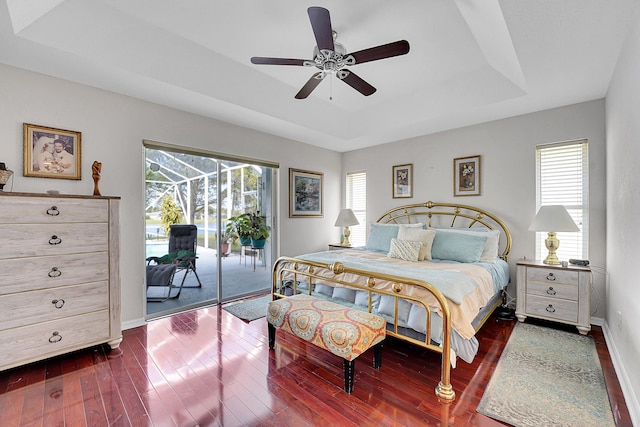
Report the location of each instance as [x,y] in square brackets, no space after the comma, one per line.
[51,152]
[305,193]
[466,176]
[402,181]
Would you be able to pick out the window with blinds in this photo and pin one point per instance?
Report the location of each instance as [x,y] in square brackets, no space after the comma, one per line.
[562,178]
[356,192]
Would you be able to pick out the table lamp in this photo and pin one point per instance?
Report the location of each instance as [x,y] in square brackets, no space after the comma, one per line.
[346,218]
[556,218]
[5,174]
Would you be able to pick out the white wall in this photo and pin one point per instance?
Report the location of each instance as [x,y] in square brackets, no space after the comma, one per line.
[623,216]
[508,180]
[113,127]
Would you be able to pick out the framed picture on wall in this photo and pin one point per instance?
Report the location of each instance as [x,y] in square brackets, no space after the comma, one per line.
[305,193]
[51,152]
[402,181]
[466,176]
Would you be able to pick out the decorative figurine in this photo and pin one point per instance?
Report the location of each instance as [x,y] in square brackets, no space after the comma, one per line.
[96,167]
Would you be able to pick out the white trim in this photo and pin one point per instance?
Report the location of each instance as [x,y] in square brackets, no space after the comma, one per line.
[627,390]
[130,324]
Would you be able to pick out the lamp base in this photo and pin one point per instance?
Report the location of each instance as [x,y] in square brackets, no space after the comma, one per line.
[552,243]
[345,237]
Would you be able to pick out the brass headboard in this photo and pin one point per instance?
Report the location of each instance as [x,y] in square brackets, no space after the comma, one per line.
[452,215]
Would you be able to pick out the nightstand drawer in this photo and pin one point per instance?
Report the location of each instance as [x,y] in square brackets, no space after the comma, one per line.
[552,308]
[553,290]
[552,276]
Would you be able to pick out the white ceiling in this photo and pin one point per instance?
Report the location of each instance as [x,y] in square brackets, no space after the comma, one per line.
[470,61]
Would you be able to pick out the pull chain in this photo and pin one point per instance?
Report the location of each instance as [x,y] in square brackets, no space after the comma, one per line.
[331,87]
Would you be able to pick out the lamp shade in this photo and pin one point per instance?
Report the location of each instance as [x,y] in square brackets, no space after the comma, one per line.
[346,218]
[553,218]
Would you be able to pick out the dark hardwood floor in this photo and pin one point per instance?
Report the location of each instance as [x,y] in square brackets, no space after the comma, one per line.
[206,367]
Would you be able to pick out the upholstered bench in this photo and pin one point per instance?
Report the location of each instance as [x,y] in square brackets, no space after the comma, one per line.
[345,332]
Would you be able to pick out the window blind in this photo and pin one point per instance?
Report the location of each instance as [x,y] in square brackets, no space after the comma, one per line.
[562,178]
[356,195]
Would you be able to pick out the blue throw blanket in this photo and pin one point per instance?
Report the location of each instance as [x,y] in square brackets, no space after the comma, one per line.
[452,284]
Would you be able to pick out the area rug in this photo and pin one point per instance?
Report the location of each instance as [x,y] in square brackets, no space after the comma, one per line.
[547,377]
[249,309]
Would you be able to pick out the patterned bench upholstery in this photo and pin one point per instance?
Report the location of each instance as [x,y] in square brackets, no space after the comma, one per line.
[345,332]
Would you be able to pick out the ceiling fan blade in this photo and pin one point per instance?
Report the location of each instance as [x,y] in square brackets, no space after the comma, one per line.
[389,50]
[356,82]
[276,61]
[310,85]
[321,24]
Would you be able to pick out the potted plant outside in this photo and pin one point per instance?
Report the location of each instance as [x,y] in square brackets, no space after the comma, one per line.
[259,230]
[226,237]
[240,226]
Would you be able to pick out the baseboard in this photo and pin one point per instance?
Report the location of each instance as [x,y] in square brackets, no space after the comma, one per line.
[627,390]
[130,324]
[598,321]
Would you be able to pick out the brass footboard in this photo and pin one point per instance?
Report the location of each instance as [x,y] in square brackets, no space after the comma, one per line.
[300,275]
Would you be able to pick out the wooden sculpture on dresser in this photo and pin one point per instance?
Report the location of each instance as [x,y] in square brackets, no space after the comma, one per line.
[96,167]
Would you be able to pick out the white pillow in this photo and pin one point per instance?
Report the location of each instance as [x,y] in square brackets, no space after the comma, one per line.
[418,235]
[404,249]
[491,247]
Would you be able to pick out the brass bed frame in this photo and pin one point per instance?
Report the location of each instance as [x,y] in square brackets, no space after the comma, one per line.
[303,273]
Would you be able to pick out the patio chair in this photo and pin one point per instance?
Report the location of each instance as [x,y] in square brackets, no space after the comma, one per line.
[160,282]
[183,241]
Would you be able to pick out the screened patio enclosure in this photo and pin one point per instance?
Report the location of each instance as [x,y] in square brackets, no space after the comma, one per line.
[199,189]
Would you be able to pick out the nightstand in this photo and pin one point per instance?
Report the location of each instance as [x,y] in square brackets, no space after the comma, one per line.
[336,246]
[553,292]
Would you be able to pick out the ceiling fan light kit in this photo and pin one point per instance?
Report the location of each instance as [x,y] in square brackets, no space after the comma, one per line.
[331,57]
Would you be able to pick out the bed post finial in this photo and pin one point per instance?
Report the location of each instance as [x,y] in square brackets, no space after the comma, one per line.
[337,268]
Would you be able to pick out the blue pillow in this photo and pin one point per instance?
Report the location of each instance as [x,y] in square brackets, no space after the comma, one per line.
[380,237]
[460,247]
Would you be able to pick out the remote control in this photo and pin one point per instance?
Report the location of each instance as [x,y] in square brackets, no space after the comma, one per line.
[582,262]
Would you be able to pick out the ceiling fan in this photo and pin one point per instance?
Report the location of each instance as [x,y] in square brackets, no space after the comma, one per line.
[331,57]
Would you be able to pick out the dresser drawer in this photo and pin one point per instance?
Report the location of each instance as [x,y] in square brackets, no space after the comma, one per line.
[27,308]
[552,308]
[42,340]
[53,239]
[28,274]
[51,210]
[552,276]
[553,290]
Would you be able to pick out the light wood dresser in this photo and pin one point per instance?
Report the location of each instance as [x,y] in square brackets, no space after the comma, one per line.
[553,292]
[59,275]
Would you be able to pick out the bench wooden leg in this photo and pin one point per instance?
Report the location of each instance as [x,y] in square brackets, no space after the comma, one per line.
[272,335]
[349,369]
[377,355]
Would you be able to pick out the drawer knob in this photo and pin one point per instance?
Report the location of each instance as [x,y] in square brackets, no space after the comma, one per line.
[55,240]
[550,309]
[551,277]
[551,291]
[55,337]
[53,211]
[54,272]
[58,303]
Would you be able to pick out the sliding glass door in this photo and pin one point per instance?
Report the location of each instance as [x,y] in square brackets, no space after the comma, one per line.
[206,191]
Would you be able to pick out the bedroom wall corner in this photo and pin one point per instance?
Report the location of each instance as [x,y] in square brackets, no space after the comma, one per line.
[623,225]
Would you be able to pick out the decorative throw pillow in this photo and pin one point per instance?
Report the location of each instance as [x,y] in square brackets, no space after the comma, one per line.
[462,247]
[418,235]
[404,249]
[380,236]
[492,245]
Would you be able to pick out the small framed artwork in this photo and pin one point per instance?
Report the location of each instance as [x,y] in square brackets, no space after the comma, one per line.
[305,193]
[466,176]
[402,181]
[51,152]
